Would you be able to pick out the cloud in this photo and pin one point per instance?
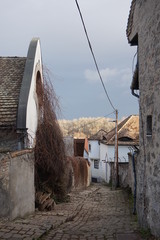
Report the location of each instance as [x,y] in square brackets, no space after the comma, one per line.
[126,76]
[92,75]
[122,76]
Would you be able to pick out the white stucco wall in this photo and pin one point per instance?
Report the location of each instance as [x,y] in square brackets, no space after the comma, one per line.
[122,153]
[103,158]
[94,153]
[105,154]
[32,107]
[122,157]
[95,149]
[98,152]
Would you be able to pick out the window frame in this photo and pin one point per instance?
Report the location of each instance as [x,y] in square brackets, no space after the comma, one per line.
[149,126]
[96,163]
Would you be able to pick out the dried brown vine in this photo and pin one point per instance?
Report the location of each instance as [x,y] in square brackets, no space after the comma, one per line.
[50,157]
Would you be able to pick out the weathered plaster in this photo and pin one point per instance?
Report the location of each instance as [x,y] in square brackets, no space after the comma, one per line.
[17,184]
[146,23]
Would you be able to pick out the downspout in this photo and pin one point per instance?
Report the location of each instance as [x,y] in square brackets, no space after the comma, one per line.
[134,94]
[22,140]
[135,81]
[135,182]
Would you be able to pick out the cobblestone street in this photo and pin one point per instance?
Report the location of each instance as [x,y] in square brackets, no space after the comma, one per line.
[95,213]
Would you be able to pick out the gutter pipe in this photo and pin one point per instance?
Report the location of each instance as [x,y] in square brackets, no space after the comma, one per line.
[134,94]
[135,182]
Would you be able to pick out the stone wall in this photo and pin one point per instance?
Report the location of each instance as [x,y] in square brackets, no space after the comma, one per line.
[8,140]
[11,141]
[4,185]
[89,177]
[146,23]
[126,173]
[69,146]
[122,173]
[78,173]
[17,193]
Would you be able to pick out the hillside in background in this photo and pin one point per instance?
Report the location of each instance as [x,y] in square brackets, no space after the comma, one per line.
[85,127]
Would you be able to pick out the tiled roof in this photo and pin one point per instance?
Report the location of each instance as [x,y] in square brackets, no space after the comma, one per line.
[11,74]
[100,135]
[127,129]
[130,19]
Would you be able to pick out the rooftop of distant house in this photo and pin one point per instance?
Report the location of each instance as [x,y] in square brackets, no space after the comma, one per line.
[128,132]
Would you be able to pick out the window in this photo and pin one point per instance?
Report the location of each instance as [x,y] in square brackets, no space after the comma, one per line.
[149,125]
[89,147]
[125,139]
[96,164]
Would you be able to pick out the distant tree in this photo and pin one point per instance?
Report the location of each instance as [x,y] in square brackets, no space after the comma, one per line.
[85,126]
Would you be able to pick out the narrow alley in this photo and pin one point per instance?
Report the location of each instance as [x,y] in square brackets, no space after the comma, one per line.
[98,213]
[95,213]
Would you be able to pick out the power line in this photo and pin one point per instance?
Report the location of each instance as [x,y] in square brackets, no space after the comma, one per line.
[84,125]
[116,178]
[93,55]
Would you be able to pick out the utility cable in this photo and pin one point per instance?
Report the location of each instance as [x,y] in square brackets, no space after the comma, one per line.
[81,126]
[84,125]
[93,55]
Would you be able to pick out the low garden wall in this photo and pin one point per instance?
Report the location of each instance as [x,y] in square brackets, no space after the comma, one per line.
[81,172]
[17,192]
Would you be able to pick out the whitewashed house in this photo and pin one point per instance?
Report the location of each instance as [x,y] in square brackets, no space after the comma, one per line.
[97,157]
[20,96]
[102,148]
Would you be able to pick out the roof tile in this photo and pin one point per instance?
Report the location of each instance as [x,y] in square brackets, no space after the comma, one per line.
[11,75]
[130,19]
[128,128]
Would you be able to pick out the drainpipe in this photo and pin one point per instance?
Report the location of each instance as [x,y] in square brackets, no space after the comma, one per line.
[135,182]
[134,94]
[22,140]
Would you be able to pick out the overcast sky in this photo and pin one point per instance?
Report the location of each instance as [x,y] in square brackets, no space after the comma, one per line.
[66,54]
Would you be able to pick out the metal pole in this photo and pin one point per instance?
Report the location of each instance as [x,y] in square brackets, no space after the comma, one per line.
[116,150]
[115,178]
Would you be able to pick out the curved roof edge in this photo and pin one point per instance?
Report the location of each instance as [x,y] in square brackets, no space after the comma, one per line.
[26,83]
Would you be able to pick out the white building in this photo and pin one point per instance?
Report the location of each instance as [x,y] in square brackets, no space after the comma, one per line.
[21,81]
[102,147]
